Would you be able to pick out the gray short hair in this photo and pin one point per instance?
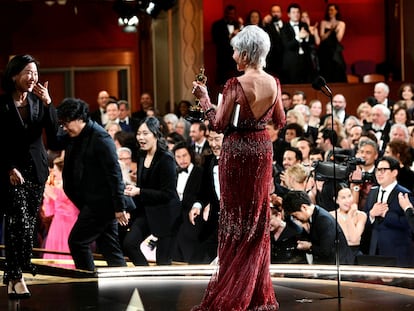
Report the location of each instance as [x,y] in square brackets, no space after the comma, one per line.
[253,41]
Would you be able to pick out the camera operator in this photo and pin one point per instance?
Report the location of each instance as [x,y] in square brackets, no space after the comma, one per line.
[363,177]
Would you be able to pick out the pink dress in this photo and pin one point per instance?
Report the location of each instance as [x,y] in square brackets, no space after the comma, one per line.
[65,215]
[243,280]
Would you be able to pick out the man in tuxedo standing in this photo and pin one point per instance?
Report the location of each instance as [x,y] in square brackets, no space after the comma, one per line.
[297,45]
[273,25]
[205,211]
[189,177]
[391,233]
[222,31]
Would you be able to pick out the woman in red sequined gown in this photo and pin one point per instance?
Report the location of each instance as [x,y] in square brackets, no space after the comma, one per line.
[243,281]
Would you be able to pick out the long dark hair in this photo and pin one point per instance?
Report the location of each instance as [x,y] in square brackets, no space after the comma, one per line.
[338,13]
[14,67]
[154,126]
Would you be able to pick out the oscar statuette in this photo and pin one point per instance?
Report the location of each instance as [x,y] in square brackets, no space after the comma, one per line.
[196,113]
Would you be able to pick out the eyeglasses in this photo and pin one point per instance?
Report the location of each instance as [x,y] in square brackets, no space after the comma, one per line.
[382,170]
[126,158]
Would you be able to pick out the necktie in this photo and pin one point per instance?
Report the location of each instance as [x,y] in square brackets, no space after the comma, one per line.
[198,149]
[382,195]
[380,219]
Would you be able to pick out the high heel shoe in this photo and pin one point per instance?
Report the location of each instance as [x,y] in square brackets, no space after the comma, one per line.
[17,289]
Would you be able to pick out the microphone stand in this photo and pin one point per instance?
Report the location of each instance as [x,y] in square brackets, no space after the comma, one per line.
[323,87]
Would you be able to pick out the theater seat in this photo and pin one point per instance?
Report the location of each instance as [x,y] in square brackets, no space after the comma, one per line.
[352,78]
[374,77]
[363,67]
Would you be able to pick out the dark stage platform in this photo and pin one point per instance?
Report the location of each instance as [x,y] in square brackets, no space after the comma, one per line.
[176,288]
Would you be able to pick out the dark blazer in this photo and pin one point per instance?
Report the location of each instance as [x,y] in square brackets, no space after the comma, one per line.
[391,236]
[158,200]
[409,213]
[132,126]
[385,134]
[226,66]
[92,175]
[207,196]
[296,68]
[323,234]
[274,58]
[96,116]
[25,140]
[191,190]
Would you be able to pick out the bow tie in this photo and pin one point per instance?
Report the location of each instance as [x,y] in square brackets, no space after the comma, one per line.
[376,129]
[180,170]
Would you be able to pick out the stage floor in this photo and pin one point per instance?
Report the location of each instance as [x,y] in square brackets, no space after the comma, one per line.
[172,289]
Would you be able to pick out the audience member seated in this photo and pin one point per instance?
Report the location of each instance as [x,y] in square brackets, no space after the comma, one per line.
[64,213]
[112,127]
[406,94]
[340,131]
[363,113]
[381,92]
[315,107]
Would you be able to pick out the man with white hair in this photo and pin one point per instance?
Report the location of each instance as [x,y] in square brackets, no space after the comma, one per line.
[399,132]
[381,125]
[381,92]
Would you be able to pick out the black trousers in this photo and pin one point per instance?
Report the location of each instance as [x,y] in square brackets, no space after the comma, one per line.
[137,233]
[89,228]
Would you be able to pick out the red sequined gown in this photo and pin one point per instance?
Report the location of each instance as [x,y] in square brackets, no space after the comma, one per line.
[243,281]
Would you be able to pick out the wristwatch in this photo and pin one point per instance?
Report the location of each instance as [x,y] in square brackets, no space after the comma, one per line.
[356,188]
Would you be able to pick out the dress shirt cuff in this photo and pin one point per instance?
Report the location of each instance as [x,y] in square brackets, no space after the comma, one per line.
[407,207]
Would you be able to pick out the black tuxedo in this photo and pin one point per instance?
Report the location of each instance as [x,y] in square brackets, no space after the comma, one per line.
[323,234]
[274,58]
[208,236]
[311,134]
[297,68]
[226,66]
[385,135]
[187,236]
[391,236]
[131,126]
[96,116]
